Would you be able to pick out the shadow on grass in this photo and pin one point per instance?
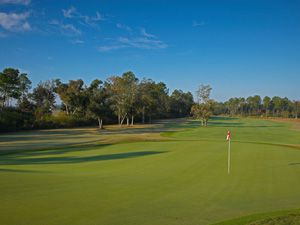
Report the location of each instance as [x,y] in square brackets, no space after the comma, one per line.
[53,149]
[19,171]
[223,118]
[225,124]
[238,124]
[294,164]
[17,160]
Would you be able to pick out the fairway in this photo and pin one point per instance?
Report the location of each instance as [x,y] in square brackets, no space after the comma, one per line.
[171,173]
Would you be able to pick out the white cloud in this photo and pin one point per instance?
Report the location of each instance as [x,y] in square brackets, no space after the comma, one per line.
[98,17]
[72,13]
[16,2]
[108,48]
[124,27]
[67,29]
[69,13]
[148,35]
[143,43]
[140,42]
[15,22]
[77,41]
[70,28]
[198,24]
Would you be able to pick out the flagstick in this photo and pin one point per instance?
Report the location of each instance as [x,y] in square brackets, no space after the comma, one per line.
[229,156]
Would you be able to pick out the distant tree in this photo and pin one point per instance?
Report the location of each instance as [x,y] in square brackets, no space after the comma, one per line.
[146,101]
[277,101]
[254,104]
[296,107]
[73,96]
[180,103]
[97,106]
[203,93]
[267,104]
[202,111]
[233,105]
[13,85]
[122,95]
[44,98]
[204,107]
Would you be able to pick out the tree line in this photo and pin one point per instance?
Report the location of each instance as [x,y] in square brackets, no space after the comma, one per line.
[120,99]
[257,106]
[54,103]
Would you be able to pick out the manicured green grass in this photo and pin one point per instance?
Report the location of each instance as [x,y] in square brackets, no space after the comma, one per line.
[289,217]
[179,177]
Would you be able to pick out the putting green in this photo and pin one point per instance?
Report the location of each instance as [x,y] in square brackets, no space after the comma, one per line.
[142,177]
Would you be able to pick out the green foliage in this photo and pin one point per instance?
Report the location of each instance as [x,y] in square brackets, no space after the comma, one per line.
[203,93]
[44,98]
[12,119]
[254,106]
[61,120]
[180,103]
[118,99]
[122,93]
[13,85]
[203,109]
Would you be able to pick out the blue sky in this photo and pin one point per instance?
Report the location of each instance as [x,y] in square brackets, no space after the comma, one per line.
[240,48]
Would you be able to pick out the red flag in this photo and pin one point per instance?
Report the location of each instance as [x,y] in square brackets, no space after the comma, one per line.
[228,136]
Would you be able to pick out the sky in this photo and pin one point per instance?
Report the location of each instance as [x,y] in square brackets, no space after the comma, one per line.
[239,47]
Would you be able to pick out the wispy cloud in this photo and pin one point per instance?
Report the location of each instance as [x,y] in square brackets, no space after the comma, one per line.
[72,13]
[69,13]
[66,29]
[15,22]
[145,34]
[77,41]
[124,27]
[108,48]
[143,41]
[16,2]
[198,24]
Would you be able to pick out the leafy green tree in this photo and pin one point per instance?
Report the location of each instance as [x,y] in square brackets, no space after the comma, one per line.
[267,104]
[203,93]
[97,106]
[203,109]
[13,85]
[254,104]
[73,96]
[278,103]
[296,107]
[122,95]
[44,98]
[180,103]
[146,102]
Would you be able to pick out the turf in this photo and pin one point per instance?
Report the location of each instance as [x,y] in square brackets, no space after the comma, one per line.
[156,175]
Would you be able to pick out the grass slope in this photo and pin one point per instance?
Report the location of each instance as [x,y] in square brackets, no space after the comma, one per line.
[141,177]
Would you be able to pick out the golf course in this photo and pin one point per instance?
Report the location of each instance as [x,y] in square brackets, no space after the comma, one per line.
[171,172]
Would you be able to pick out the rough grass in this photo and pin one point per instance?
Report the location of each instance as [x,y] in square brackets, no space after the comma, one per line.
[142,176]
